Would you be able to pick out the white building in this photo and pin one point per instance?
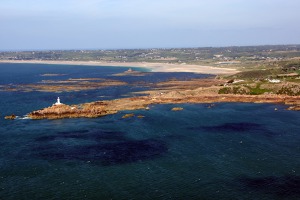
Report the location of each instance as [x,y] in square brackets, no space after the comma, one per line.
[57,102]
[274,80]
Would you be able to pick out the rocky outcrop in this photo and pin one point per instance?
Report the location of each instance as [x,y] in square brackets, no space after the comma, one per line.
[290,89]
[10,117]
[177,109]
[102,108]
[197,91]
[128,116]
[131,72]
[68,85]
[89,110]
[296,107]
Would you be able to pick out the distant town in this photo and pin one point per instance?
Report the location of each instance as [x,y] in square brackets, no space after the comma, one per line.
[208,55]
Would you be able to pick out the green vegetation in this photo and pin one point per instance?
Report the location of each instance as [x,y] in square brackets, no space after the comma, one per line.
[246,57]
[244,89]
[233,90]
[258,65]
[255,74]
[258,90]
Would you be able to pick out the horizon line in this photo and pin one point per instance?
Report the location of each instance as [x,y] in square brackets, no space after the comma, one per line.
[147,48]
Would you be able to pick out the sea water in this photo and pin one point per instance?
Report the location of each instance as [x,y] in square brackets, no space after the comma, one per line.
[225,151]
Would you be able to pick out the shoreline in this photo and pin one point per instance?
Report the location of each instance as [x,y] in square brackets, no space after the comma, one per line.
[109,107]
[169,92]
[153,67]
[172,92]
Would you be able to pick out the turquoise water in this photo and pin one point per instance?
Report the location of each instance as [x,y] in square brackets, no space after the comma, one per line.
[229,151]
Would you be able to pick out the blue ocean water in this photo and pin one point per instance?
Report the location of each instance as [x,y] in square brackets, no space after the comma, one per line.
[229,151]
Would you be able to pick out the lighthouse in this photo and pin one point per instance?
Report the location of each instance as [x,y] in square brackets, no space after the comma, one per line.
[58,102]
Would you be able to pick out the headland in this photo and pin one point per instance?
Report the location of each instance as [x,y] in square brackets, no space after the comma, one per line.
[173,92]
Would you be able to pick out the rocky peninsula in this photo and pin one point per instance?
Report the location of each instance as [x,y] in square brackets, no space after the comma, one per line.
[201,90]
[163,96]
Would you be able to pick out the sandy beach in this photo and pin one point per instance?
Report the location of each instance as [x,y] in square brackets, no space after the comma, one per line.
[153,67]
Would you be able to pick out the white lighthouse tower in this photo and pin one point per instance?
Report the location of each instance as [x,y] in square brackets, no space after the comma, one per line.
[58,102]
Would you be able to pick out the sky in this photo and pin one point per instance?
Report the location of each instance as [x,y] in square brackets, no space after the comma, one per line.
[127,24]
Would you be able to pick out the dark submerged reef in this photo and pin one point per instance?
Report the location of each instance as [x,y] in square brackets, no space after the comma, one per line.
[280,186]
[235,127]
[112,148]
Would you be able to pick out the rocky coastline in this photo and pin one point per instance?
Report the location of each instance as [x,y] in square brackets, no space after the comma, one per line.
[103,108]
[169,92]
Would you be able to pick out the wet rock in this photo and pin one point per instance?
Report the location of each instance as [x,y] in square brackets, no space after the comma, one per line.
[128,116]
[296,107]
[10,117]
[177,109]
